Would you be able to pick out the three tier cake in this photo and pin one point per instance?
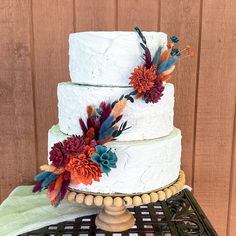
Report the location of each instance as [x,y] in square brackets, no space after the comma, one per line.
[115,133]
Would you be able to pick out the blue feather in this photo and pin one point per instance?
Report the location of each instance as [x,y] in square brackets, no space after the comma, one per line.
[49,180]
[42,176]
[165,65]
[107,124]
[106,134]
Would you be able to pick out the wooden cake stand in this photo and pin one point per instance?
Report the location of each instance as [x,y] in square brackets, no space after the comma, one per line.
[114,216]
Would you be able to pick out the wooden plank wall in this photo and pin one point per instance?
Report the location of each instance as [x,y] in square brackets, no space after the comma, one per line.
[34,58]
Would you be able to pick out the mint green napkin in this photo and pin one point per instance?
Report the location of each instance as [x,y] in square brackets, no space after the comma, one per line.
[24,211]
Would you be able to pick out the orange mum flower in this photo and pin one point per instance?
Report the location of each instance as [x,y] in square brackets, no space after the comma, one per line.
[83,169]
[142,78]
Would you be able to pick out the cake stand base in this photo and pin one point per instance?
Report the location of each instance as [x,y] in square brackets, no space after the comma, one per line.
[115,219]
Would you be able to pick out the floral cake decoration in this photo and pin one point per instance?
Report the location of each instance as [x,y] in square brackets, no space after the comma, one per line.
[147,80]
[82,159]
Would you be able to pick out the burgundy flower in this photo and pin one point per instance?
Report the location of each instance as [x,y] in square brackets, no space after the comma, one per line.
[58,155]
[154,94]
[74,145]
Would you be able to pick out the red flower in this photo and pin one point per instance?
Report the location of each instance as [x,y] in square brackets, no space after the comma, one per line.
[154,94]
[74,145]
[58,155]
[142,78]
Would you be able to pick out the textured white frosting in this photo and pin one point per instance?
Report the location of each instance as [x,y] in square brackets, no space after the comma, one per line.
[147,121]
[108,58]
[142,165]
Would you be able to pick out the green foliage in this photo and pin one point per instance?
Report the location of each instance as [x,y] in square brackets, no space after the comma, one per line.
[121,129]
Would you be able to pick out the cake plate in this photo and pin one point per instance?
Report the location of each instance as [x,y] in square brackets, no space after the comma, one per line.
[114,215]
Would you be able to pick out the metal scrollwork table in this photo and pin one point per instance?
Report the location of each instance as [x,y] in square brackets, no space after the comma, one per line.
[178,215]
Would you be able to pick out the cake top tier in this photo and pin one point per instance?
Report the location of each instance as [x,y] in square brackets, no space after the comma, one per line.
[108,58]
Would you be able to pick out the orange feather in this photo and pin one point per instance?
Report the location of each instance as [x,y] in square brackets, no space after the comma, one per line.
[90,133]
[105,141]
[53,201]
[49,168]
[90,111]
[164,77]
[164,56]
[59,171]
[58,182]
[119,107]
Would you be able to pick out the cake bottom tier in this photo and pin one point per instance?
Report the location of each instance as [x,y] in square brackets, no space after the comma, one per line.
[142,166]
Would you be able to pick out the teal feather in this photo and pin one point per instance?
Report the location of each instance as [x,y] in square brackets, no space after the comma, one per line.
[157,56]
[106,128]
[106,134]
[165,65]
[42,176]
[49,180]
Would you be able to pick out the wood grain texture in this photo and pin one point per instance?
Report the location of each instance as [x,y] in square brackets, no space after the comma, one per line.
[182,18]
[231,227]
[140,13]
[17,140]
[52,23]
[95,15]
[215,110]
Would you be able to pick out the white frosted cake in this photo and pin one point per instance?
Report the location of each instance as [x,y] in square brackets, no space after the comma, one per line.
[115,132]
[111,56]
[143,165]
[74,98]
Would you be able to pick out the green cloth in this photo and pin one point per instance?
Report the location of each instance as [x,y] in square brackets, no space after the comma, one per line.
[24,211]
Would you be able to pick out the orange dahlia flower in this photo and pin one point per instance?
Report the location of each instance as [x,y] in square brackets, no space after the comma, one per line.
[142,78]
[83,170]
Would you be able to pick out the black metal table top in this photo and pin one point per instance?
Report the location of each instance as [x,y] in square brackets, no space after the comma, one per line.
[179,215]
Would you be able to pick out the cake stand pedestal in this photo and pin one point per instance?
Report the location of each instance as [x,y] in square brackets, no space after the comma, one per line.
[114,216]
[115,219]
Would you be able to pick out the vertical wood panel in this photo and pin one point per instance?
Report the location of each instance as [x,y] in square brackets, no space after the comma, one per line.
[182,18]
[138,13]
[232,199]
[52,21]
[17,140]
[95,15]
[215,111]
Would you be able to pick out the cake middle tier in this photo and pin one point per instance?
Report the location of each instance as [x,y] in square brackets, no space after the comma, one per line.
[142,166]
[147,121]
